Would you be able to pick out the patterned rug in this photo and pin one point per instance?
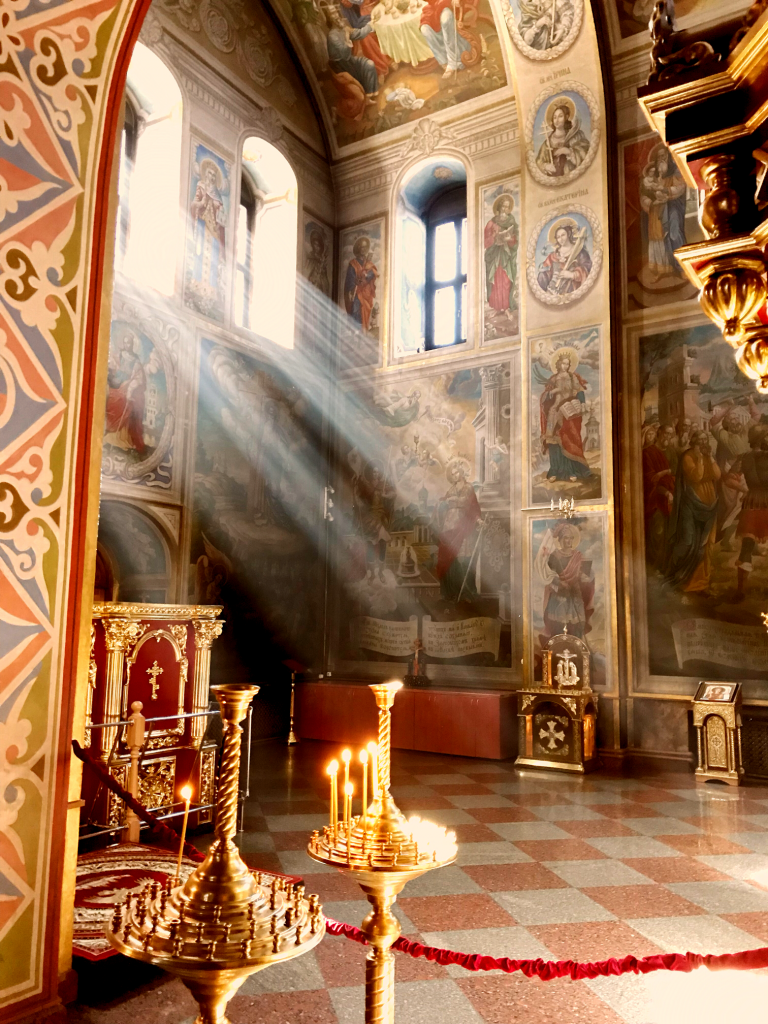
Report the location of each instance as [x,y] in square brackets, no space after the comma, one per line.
[105,877]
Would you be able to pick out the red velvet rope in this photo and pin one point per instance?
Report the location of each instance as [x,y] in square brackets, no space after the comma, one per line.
[547,970]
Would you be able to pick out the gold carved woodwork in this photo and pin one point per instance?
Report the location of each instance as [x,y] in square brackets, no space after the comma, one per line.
[167,612]
[157,781]
[92,672]
[206,631]
[207,787]
[115,806]
[120,635]
[718,735]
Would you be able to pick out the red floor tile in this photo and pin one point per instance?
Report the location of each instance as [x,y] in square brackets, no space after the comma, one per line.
[493,815]
[755,924]
[293,806]
[515,999]
[513,877]
[290,840]
[627,810]
[342,963]
[723,824]
[448,913]
[558,849]
[463,789]
[675,869]
[627,901]
[279,1007]
[593,940]
[474,834]
[598,828]
[702,846]
[333,886]
[540,799]
[417,804]
[655,796]
[490,777]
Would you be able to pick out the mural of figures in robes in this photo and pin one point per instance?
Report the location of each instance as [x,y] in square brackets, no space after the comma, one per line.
[703,460]
[564,256]
[205,278]
[383,63]
[139,422]
[566,416]
[543,29]
[562,133]
[501,244]
[361,278]
[568,586]
[660,216]
[318,254]
[422,507]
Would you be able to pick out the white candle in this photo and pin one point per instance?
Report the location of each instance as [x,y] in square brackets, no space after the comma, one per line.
[186,795]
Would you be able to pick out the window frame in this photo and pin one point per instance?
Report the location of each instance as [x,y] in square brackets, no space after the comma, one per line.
[432,285]
[251,206]
[129,145]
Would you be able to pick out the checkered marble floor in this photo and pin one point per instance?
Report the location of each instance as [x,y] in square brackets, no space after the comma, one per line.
[549,866]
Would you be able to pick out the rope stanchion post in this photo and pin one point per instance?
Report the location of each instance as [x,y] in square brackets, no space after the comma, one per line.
[383,852]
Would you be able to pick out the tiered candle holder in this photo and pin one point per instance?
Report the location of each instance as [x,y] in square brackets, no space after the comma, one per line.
[384,852]
[223,924]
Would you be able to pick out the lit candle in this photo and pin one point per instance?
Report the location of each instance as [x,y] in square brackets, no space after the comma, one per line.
[333,768]
[373,750]
[346,757]
[186,795]
[348,791]
[364,763]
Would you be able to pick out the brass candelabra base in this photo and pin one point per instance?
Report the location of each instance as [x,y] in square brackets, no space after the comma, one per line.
[225,922]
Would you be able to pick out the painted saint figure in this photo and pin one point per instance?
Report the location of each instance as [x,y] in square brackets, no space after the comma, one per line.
[360,283]
[126,390]
[753,518]
[354,76]
[567,266]
[561,408]
[662,200]
[545,23]
[441,24]
[374,500]
[456,518]
[693,520]
[501,239]
[565,145]
[316,262]
[569,582]
[209,217]
[658,491]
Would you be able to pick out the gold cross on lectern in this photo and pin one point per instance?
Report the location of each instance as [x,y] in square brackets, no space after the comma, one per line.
[153,673]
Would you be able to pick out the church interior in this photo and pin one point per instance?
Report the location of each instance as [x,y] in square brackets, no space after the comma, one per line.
[383,511]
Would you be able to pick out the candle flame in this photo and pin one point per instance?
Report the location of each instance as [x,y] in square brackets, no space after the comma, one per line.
[186,793]
[349,789]
[363,757]
[333,767]
[373,748]
[346,756]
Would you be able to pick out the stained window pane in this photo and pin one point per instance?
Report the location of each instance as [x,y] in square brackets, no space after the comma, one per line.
[445,316]
[464,249]
[464,311]
[445,252]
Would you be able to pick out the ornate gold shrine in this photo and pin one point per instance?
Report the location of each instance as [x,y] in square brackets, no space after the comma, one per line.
[159,655]
[707,98]
[557,720]
[717,720]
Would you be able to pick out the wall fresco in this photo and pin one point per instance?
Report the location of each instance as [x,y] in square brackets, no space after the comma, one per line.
[660,215]
[141,400]
[704,452]
[562,133]
[383,64]
[205,268]
[565,254]
[542,30]
[500,246]
[362,277]
[425,524]
[568,587]
[255,513]
[317,254]
[566,417]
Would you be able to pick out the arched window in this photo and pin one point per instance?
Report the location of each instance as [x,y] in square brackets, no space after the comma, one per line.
[431,244]
[269,269]
[246,222]
[147,238]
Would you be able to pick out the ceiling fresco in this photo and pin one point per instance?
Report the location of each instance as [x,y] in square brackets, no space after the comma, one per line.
[380,64]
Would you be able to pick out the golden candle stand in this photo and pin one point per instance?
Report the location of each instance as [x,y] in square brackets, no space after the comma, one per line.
[384,852]
[222,925]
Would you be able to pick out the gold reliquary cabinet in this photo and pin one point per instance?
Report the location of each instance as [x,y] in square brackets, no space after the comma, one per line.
[557,720]
[160,655]
[707,97]
[717,720]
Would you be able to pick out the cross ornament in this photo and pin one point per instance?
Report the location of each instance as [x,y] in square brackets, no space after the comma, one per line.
[566,674]
[551,737]
[153,673]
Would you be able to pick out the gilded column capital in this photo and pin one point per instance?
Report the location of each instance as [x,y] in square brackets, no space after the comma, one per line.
[206,632]
[122,634]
